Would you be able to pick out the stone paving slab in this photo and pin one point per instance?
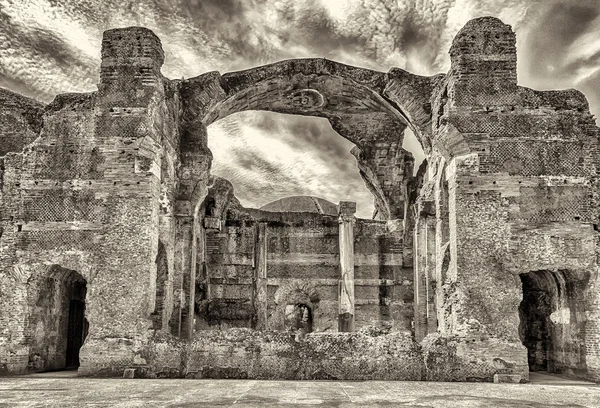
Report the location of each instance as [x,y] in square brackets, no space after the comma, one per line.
[67,392]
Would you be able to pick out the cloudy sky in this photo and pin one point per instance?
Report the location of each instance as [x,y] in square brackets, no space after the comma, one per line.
[53,46]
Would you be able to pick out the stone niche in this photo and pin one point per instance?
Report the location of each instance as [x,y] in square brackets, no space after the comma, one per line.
[120,252]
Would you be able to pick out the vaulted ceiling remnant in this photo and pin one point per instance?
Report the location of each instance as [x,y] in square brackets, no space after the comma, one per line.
[116,186]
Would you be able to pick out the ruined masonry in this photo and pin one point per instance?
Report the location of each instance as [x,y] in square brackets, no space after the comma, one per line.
[120,253]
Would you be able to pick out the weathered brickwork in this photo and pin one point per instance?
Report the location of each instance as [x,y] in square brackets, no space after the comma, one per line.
[245,353]
[119,250]
[302,258]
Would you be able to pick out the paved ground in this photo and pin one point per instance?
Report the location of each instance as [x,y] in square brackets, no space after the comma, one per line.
[63,390]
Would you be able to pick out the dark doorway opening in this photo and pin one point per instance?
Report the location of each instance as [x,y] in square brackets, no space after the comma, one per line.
[76,332]
[58,325]
[76,329]
[299,317]
[534,313]
[552,323]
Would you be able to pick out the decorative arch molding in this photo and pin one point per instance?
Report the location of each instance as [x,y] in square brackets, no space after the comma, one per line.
[311,87]
[23,273]
[369,108]
[20,273]
[297,291]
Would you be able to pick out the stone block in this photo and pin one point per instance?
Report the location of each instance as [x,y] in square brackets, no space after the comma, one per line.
[129,373]
[507,378]
[212,223]
[347,208]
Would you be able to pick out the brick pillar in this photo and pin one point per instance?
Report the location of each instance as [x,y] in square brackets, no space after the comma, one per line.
[130,117]
[424,267]
[260,275]
[346,212]
[420,283]
[188,276]
[430,276]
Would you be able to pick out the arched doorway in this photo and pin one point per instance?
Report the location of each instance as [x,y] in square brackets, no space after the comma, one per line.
[58,325]
[298,317]
[552,321]
[360,105]
[76,332]
[356,102]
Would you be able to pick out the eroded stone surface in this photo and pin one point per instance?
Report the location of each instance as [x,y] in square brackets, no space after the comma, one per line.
[483,264]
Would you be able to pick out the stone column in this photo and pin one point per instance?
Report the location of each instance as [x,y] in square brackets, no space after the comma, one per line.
[191,253]
[193,177]
[129,126]
[346,212]
[420,288]
[197,253]
[424,266]
[431,316]
[184,248]
[260,275]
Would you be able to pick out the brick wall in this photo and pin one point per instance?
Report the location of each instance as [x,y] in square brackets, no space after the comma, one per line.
[302,258]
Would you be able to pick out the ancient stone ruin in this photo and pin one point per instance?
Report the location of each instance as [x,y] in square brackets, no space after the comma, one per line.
[119,252]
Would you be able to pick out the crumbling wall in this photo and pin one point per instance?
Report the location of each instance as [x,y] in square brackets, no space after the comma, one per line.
[49,216]
[514,169]
[84,195]
[96,181]
[20,121]
[225,293]
[246,353]
[302,269]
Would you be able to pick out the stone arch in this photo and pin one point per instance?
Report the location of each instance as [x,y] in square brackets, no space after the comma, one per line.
[552,320]
[57,326]
[369,108]
[296,294]
[309,86]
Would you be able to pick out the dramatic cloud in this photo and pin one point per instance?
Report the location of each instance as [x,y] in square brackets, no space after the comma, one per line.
[53,46]
[268,156]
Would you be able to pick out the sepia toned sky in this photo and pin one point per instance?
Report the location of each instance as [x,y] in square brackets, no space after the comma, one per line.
[53,46]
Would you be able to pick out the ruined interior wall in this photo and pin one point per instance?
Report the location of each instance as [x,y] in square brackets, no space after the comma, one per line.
[20,121]
[226,280]
[302,268]
[383,280]
[302,258]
